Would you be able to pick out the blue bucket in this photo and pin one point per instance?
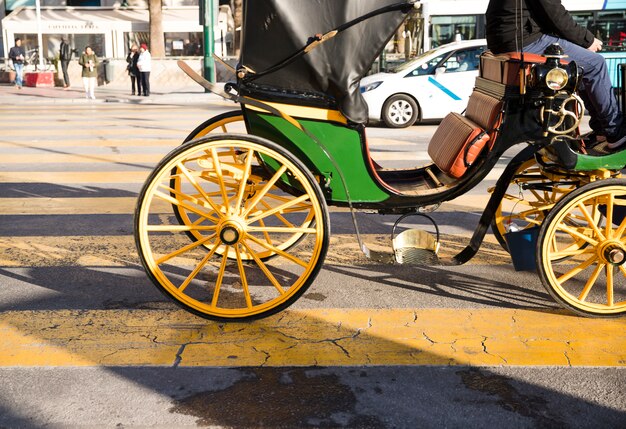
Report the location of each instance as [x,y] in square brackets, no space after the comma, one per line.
[523,248]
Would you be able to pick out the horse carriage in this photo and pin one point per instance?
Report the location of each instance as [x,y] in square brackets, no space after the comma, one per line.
[236,226]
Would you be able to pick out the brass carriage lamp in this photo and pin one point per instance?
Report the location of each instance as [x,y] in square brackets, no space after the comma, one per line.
[554,76]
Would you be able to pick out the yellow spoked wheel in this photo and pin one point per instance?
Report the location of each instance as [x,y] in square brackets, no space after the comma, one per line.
[530,196]
[229,122]
[231,187]
[590,280]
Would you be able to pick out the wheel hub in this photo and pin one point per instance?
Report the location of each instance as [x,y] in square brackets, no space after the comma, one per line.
[613,252]
[230,232]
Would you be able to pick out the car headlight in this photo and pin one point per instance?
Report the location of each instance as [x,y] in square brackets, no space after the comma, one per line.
[556,79]
[370,86]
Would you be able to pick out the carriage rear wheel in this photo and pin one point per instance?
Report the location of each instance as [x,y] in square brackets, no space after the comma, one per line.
[239,215]
[590,280]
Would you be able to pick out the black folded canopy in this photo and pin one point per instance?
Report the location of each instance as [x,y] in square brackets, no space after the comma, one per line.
[274,30]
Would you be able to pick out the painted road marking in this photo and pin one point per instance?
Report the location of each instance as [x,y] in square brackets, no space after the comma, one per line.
[328,337]
[74,177]
[51,158]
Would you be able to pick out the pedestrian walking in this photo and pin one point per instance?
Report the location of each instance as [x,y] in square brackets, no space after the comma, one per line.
[133,70]
[65,55]
[17,55]
[89,61]
[144,64]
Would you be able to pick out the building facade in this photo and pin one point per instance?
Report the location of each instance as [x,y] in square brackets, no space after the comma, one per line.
[110,27]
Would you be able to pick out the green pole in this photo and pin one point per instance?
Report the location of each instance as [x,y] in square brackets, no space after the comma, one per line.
[209,40]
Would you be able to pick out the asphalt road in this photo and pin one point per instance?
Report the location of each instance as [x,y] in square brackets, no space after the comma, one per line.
[89,342]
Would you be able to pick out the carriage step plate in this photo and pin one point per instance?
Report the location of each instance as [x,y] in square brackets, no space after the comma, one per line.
[415,247]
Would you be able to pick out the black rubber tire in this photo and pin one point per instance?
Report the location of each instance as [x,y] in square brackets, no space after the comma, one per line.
[400,111]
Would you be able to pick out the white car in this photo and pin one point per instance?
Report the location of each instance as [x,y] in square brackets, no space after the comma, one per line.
[427,87]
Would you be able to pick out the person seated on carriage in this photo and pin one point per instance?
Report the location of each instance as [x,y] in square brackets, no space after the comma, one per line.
[541,23]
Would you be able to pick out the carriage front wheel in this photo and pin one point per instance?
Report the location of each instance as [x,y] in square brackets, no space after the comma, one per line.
[244,196]
[591,279]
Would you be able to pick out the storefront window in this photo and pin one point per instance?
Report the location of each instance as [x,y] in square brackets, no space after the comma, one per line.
[52,42]
[136,38]
[183,44]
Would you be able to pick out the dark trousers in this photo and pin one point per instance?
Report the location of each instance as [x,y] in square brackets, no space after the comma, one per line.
[136,79]
[66,77]
[145,82]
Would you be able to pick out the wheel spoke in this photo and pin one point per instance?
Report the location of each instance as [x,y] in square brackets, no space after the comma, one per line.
[184,249]
[590,220]
[609,216]
[278,251]
[265,270]
[281,229]
[220,177]
[182,204]
[265,233]
[220,278]
[591,282]
[195,184]
[609,285]
[279,209]
[567,252]
[573,232]
[260,194]
[179,228]
[282,218]
[581,267]
[244,181]
[244,280]
[196,270]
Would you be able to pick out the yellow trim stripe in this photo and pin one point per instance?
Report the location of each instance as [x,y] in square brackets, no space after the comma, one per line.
[305,112]
[327,337]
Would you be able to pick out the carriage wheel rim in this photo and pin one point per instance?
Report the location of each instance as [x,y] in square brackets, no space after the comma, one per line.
[607,246]
[242,219]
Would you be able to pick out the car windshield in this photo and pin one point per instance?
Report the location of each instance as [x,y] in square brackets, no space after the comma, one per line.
[410,64]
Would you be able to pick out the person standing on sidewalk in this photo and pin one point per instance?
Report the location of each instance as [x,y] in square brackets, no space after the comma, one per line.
[17,55]
[145,67]
[89,61]
[65,55]
[133,70]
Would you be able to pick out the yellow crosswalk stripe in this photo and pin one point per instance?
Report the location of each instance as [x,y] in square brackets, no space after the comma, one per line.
[49,158]
[88,133]
[317,337]
[74,177]
[109,143]
[70,206]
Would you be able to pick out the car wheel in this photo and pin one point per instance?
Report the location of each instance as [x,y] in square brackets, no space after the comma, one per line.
[400,111]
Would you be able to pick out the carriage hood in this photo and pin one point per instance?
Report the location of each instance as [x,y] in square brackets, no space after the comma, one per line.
[275,29]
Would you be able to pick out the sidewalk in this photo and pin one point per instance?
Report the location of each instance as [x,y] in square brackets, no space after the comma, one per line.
[191,94]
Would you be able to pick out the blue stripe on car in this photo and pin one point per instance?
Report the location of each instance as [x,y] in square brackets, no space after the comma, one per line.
[444,89]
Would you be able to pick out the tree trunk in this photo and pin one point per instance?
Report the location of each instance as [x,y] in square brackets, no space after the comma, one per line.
[157,40]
